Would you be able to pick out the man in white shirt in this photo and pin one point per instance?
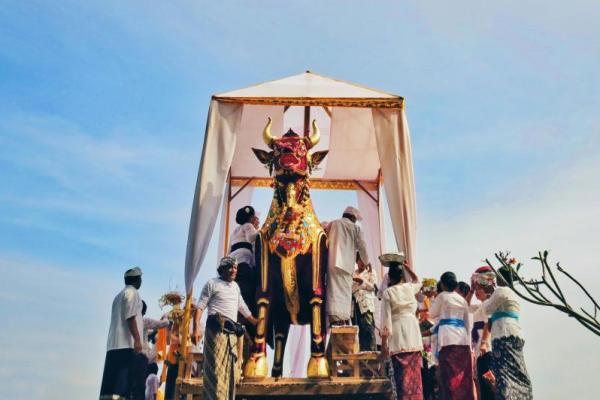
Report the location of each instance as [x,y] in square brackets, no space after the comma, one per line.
[346,240]
[124,338]
[222,299]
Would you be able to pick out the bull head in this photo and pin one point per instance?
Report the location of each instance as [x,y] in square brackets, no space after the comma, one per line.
[289,154]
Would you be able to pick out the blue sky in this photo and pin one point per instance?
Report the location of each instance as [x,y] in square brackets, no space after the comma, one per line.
[102,113]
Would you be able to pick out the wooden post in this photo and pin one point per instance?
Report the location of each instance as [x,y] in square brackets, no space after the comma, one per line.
[184,332]
[306,120]
[227,216]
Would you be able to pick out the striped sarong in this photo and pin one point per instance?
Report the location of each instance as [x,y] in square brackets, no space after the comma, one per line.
[219,363]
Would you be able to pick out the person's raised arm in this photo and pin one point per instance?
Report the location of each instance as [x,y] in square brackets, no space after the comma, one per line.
[411,274]
[250,232]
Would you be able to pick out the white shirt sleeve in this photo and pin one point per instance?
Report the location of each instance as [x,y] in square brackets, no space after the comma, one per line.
[151,323]
[130,303]
[436,307]
[250,232]
[387,313]
[205,295]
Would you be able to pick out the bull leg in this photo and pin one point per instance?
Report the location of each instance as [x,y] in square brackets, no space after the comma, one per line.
[257,366]
[281,335]
[318,366]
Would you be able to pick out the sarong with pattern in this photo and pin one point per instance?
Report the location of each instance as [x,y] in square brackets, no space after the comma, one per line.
[508,366]
[407,375]
[218,361]
[456,373]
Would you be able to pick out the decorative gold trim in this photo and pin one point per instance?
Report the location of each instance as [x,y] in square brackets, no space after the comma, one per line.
[361,102]
[261,328]
[316,256]
[316,300]
[278,352]
[290,287]
[264,262]
[318,367]
[315,183]
[316,323]
[262,300]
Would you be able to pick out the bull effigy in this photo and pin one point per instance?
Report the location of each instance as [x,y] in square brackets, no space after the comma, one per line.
[291,255]
[291,246]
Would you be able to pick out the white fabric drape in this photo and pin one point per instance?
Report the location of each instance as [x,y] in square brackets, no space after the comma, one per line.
[395,156]
[219,145]
[297,351]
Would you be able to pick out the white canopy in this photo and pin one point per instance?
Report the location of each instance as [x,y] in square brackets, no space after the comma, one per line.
[365,131]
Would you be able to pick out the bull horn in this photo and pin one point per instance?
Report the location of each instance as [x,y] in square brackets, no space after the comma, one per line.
[316,134]
[267,137]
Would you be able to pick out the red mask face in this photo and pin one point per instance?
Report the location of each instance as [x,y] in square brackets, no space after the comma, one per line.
[290,155]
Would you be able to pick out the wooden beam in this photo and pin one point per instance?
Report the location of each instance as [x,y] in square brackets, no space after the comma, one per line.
[361,186]
[315,183]
[240,189]
[280,387]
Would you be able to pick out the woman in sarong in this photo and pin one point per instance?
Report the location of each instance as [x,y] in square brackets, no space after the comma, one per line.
[483,282]
[401,336]
[427,324]
[453,342]
[508,363]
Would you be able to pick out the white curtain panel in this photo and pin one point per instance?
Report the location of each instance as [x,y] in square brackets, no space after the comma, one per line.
[395,156]
[217,154]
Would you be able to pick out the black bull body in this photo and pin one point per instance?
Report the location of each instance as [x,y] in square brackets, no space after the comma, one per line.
[291,257]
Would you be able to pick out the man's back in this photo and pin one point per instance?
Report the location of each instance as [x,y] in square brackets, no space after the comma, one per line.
[126,304]
[345,240]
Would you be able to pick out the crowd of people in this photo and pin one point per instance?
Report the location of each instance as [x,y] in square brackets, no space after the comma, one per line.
[440,342]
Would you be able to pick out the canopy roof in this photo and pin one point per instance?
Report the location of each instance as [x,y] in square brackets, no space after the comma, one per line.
[365,131]
[310,89]
[339,107]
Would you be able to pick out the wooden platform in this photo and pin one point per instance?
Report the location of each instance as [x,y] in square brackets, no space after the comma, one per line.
[301,388]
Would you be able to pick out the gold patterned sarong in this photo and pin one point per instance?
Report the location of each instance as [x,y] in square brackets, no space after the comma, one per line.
[218,363]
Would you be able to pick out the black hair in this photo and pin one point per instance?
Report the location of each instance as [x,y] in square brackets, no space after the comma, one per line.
[244,215]
[144,307]
[448,278]
[463,288]
[153,369]
[132,280]
[351,217]
[395,273]
[438,287]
